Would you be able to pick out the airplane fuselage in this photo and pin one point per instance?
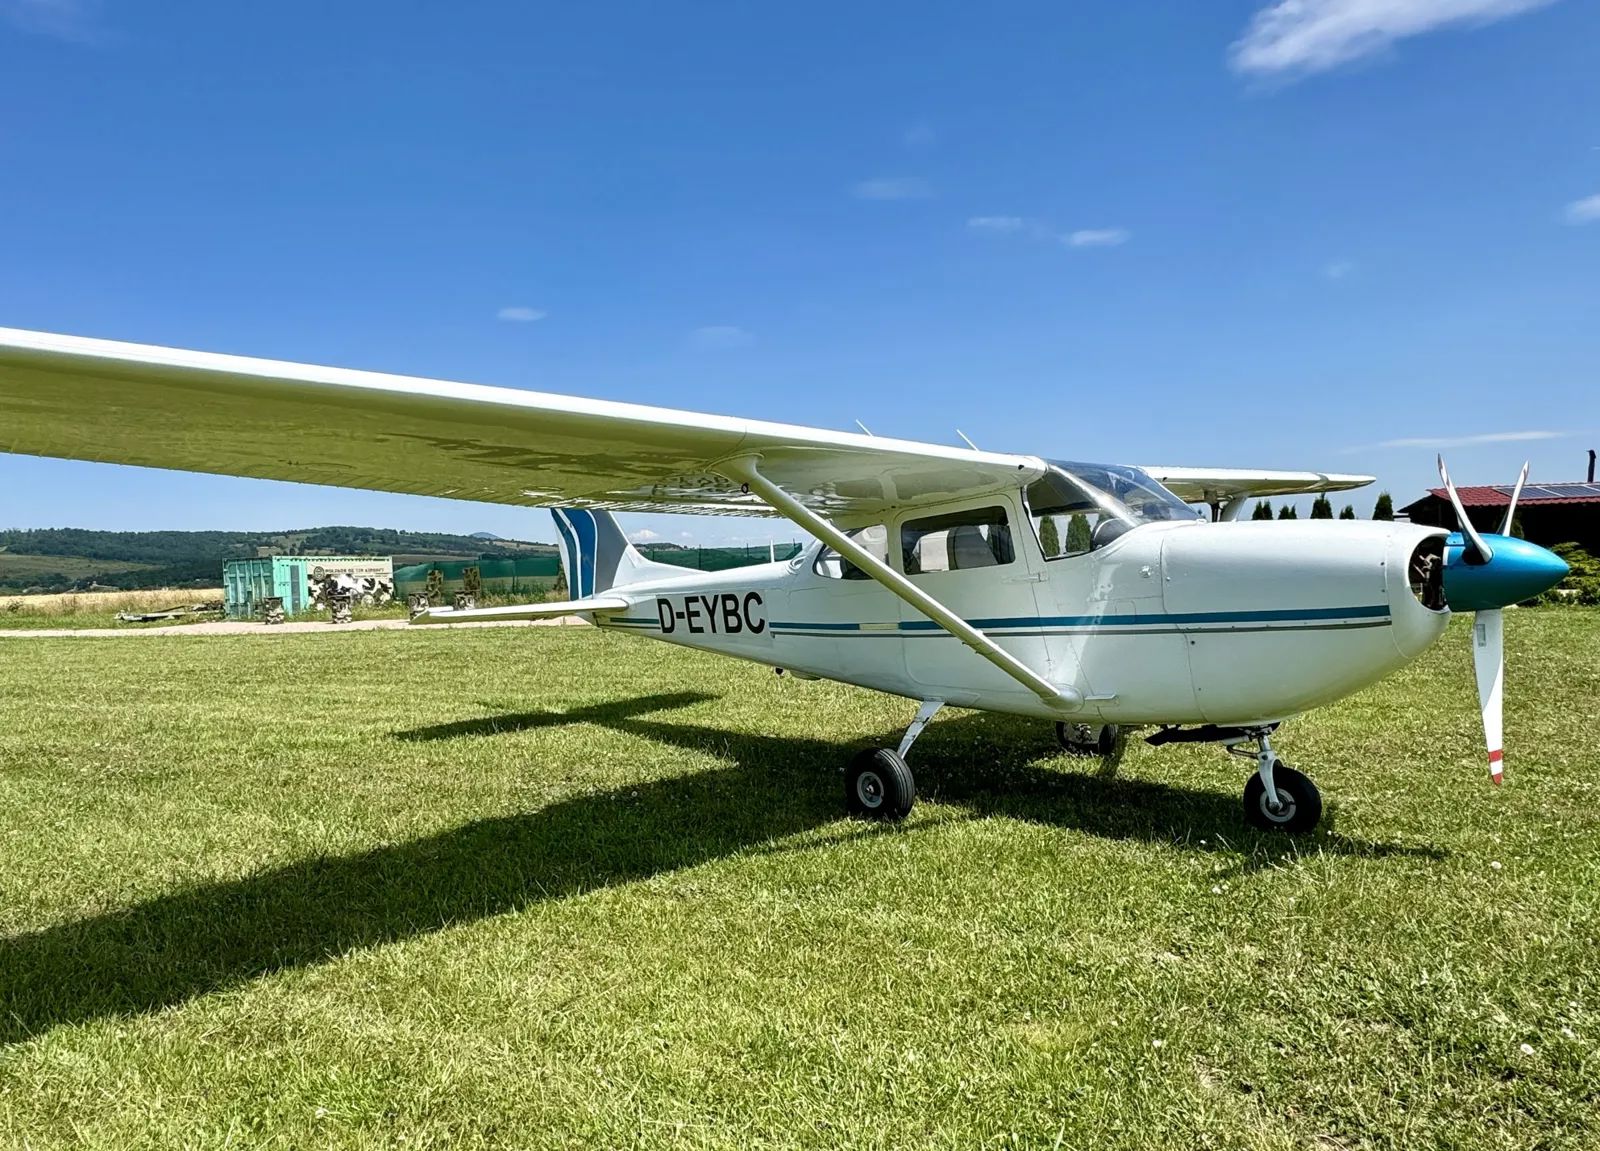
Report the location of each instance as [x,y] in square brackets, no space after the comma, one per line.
[1179,623]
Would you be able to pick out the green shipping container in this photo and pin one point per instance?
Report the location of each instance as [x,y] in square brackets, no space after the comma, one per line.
[246,583]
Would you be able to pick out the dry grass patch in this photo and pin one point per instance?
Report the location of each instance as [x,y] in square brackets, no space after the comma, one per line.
[21,609]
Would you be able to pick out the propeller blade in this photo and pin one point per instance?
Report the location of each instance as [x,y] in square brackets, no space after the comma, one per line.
[1505,528]
[1488,661]
[1471,533]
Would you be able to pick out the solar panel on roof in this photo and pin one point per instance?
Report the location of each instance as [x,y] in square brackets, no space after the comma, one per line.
[1553,491]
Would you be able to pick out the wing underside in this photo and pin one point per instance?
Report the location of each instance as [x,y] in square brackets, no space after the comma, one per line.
[78,398]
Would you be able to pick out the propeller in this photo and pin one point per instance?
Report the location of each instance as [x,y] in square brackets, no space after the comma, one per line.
[1516,494]
[1482,549]
[1489,665]
[1482,578]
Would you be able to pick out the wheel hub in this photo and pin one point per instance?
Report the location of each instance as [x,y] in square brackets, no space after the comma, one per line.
[869,789]
[1284,812]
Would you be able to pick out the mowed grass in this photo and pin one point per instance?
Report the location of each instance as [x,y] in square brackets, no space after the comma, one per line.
[552,887]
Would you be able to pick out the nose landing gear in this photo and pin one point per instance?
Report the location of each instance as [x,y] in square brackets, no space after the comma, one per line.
[1276,797]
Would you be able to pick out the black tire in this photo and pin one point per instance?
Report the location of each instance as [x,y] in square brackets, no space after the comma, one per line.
[1103,745]
[1302,803]
[879,785]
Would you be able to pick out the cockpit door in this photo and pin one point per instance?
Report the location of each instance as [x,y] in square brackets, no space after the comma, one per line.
[976,559]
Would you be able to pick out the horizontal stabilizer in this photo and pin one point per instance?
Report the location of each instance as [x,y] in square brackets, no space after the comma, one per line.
[1202,485]
[518,611]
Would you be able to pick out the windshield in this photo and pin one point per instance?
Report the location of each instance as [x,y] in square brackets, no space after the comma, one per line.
[1125,493]
[1133,495]
[1076,508]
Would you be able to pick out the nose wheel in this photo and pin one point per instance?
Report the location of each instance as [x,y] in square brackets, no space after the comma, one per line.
[1299,805]
[1277,797]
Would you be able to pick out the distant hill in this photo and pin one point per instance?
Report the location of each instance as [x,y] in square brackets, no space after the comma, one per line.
[62,559]
[484,536]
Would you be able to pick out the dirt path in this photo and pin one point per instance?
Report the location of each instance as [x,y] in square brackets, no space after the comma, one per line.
[242,627]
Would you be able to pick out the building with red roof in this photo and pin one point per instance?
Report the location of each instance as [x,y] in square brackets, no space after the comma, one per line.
[1547,514]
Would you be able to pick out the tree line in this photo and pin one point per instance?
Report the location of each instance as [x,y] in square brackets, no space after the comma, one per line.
[1322,509]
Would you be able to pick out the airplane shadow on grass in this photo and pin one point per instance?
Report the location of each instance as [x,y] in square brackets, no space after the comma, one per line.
[175,947]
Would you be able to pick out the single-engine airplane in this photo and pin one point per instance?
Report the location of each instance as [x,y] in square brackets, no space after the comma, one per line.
[1089,595]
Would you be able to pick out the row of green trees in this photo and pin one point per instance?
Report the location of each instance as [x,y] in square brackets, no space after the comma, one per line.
[1322,509]
[1078,536]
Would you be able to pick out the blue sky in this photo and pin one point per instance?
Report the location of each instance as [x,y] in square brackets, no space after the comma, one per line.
[1234,233]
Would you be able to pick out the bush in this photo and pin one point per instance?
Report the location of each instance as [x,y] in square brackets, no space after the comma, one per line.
[1582,585]
[1384,508]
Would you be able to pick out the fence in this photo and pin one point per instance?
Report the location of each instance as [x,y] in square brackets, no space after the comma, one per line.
[536,575]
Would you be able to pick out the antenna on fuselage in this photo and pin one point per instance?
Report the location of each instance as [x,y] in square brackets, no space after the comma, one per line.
[864,428]
[970,444]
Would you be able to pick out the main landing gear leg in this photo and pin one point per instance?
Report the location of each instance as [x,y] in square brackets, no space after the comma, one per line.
[1089,738]
[878,784]
[1276,797]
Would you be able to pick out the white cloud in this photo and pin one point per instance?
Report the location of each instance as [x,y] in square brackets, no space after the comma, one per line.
[1298,37]
[1338,269]
[519,315]
[1096,237]
[996,223]
[1042,231]
[715,336]
[64,19]
[1467,441]
[1584,211]
[893,188]
[643,536]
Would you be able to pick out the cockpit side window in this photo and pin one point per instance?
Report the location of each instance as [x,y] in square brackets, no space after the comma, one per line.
[957,541]
[874,539]
[1064,516]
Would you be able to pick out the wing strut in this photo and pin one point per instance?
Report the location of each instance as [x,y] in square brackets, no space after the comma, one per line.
[745,471]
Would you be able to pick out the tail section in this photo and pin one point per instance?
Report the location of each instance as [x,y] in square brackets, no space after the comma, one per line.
[597,556]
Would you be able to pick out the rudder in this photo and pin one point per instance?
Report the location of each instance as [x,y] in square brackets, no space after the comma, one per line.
[596,555]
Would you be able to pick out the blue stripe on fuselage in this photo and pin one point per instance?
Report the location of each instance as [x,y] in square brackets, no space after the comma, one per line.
[1378,613]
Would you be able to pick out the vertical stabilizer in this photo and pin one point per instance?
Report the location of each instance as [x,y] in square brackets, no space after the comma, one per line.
[597,556]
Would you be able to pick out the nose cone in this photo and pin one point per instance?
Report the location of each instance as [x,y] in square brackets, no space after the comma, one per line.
[1518,571]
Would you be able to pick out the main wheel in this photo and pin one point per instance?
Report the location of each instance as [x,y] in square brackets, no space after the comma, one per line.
[1300,804]
[1088,738]
[879,785]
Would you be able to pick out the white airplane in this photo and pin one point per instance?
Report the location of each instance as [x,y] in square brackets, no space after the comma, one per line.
[1088,595]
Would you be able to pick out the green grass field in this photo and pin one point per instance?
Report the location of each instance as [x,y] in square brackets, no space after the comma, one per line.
[19,570]
[555,888]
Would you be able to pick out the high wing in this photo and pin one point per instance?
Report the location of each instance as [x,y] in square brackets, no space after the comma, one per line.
[87,399]
[1219,485]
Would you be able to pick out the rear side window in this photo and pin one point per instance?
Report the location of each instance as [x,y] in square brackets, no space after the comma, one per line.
[957,541]
[874,539]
